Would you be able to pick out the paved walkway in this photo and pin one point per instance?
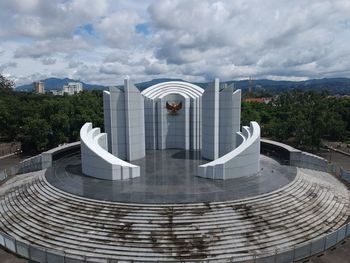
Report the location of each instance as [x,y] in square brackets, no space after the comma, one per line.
[337,158]
[339,146]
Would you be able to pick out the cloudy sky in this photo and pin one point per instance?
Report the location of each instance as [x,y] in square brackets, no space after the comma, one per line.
[103,41]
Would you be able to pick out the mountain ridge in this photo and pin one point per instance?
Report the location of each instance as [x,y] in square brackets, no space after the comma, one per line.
[57,84]
[333,85]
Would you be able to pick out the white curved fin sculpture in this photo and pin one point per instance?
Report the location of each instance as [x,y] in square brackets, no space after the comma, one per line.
[242,161]
[98,162]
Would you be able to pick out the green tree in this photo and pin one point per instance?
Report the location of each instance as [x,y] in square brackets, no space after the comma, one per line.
[6,83]
[34,134]
[60,128]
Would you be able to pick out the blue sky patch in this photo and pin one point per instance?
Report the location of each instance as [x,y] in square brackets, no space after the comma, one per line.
[86,29]
[143,29]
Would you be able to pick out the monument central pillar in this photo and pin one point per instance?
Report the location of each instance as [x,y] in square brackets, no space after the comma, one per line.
[173,125]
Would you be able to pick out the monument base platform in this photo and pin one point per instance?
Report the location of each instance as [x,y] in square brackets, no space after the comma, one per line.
[168,177]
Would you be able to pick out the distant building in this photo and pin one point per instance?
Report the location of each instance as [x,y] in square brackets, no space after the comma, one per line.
[250,85]
[56,92]
[39,87]
[339,96]
[258,100]
[72,88]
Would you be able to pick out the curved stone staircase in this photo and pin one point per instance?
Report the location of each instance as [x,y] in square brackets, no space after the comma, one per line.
[313,204]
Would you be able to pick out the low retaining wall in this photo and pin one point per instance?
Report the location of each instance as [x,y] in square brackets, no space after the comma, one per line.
[345,175]
[39,162]
[51,155]
[311,161]
[281,151]
[292,156]
[28,165]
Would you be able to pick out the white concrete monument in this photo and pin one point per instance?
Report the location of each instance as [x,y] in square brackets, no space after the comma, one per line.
[173,114]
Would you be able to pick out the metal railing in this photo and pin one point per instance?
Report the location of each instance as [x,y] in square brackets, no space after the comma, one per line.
[288,254]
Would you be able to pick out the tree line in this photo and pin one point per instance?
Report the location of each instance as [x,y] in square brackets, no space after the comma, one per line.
[302,118]
[43,121]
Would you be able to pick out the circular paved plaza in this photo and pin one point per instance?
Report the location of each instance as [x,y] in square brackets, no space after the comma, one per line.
[168,176]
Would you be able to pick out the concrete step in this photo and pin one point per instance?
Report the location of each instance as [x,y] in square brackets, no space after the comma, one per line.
[105,229]
[146,212]
[230,218]
[217,231]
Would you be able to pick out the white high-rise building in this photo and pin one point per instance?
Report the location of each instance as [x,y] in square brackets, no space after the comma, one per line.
[39,87]
[72,88]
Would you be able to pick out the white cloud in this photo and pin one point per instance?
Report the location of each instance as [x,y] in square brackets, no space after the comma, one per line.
[7,65]
[156,68]
[101,41]
[74,64]
[114,69]
[49,47]
[118,29]
[48,61]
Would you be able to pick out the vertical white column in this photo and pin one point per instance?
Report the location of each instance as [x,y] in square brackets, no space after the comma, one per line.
[187,122]
[114,107]
[155,125]
[236,122]
[127,118]
[134,122]
[107,117]
[216,119]
[116,149]
[200,122]
[149,124]
[160,123]
[210,121]
[194,124]
[226,141]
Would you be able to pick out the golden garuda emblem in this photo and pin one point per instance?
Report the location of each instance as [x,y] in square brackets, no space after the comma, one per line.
[173,107]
